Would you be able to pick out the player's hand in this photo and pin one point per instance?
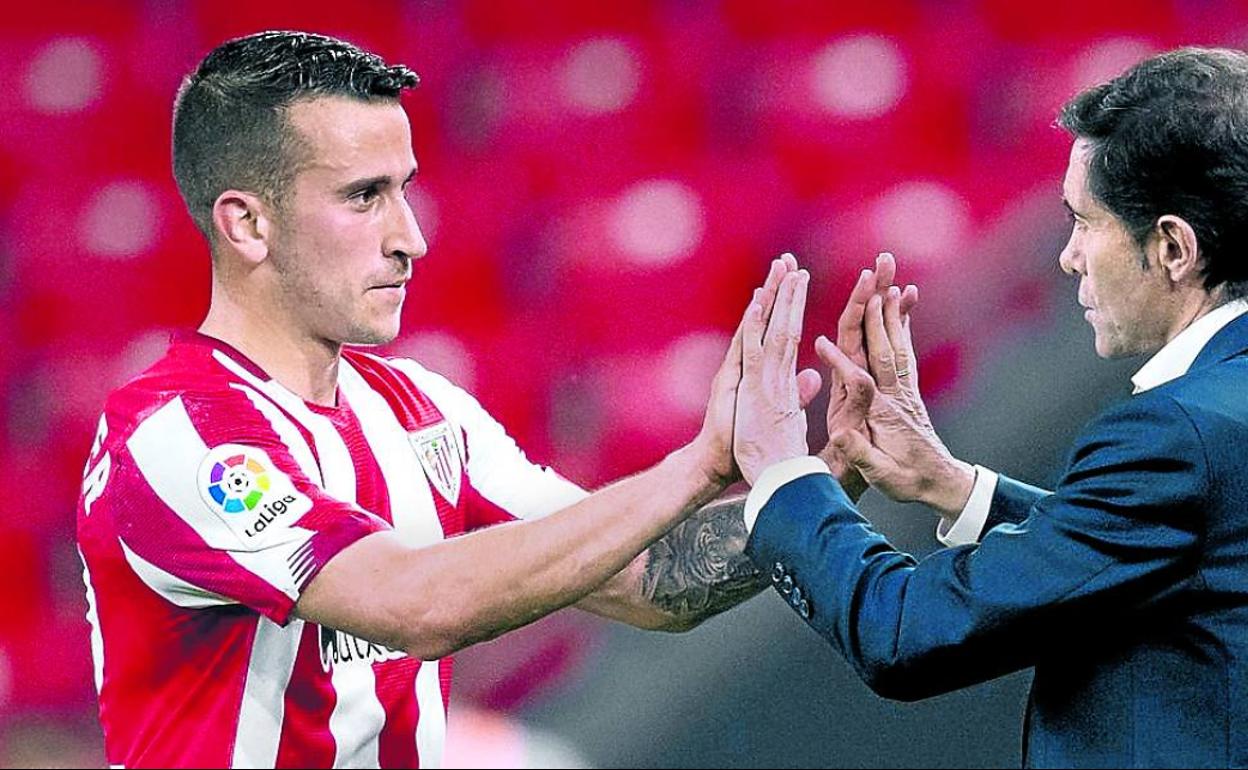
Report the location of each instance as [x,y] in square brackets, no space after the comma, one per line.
[716,436]
[771,425]
[851,340]
[898,451]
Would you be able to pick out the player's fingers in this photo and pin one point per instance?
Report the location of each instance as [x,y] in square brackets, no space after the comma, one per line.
[775,274]
[776,339]
[730,369]
[752,329]
[793,330]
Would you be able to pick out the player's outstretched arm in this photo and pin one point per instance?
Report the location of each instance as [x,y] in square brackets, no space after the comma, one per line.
[697,570]
[434,600]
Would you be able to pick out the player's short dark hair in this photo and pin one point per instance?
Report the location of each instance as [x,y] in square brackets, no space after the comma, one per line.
[1170,136]
[229,118]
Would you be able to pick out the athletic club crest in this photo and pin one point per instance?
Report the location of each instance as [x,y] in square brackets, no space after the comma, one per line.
[438,452]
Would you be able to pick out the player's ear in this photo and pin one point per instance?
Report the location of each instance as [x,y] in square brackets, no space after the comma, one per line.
[243,221]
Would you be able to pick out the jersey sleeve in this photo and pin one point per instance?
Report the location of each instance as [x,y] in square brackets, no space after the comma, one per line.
[503,484]
[212,507]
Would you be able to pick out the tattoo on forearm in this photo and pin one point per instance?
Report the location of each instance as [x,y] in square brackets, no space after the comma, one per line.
[700,568]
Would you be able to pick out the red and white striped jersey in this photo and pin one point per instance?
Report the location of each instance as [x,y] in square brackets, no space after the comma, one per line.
[213,496]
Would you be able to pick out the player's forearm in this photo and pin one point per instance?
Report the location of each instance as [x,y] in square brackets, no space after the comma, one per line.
[445,597]
[697,570]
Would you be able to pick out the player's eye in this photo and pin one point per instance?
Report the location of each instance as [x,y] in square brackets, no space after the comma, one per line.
[366,196]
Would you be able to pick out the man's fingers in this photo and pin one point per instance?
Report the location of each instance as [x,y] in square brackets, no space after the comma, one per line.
[855,386]
[793,331]
[885,271]
[809,383]
[849,326]
[903,356]
[731,367]
[754,325]
[837,360]
[859,394]
[879,352]
[858,452]
[909,298]
[780,267]
[752,329]
[771,285]
[780,332]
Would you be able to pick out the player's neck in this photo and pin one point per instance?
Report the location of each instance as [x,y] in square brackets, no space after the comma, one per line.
[305,366]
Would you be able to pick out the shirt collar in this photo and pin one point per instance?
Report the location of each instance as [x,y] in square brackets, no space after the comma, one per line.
[1176,357]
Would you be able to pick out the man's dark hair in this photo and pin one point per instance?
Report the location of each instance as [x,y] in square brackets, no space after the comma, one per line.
[1170,136]
[229,120]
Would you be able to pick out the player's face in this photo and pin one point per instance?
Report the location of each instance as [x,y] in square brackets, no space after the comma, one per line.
[1124,299]
[345,237]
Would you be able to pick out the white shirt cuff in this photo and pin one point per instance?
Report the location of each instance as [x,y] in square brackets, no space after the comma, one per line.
[774,477]
[969,526]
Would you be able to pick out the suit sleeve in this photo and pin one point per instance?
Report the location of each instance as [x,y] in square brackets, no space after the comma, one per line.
[1012,502]
[1120,533]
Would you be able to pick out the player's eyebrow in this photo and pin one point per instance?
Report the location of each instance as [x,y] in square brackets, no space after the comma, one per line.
[355,185]
[378,181]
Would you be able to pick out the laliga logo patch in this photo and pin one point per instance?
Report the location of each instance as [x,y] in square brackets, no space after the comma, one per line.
[238,483]
[438,452]
[241,485]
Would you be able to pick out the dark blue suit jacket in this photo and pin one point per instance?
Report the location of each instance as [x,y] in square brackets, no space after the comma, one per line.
[1126,588]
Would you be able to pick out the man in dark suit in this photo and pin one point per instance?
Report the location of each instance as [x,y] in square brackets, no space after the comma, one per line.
[1127,586]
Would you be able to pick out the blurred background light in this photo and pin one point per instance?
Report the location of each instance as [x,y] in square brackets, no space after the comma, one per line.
[65,76]
[657,222]
[858,77]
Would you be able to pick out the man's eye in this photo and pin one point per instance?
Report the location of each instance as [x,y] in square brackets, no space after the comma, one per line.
[367,195]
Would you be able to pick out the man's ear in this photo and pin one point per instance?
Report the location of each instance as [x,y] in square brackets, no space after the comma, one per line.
[1178,253]
[244,221]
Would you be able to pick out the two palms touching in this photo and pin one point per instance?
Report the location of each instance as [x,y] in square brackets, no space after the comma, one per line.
[878,427]
[744,363]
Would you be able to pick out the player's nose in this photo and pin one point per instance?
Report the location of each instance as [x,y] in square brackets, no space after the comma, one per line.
[404,240]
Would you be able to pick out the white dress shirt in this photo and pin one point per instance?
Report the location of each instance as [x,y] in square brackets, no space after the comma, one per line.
[1169,363]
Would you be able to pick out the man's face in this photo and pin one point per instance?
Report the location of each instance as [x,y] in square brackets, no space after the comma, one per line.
[1126,303]
[344,236]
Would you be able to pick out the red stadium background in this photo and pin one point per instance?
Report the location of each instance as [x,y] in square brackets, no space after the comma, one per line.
[601,184]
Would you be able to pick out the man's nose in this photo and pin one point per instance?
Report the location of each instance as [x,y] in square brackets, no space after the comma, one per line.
[405,240]
[1069,258]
